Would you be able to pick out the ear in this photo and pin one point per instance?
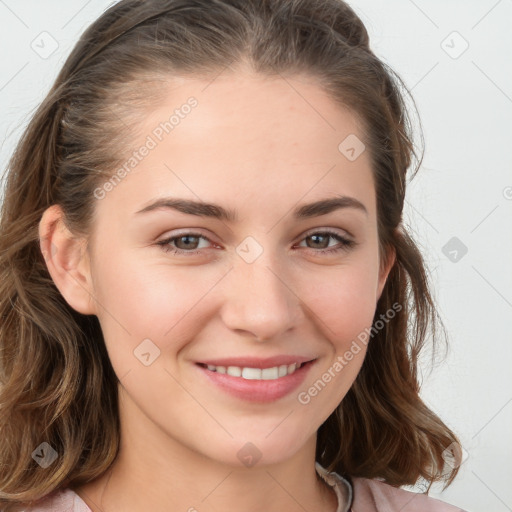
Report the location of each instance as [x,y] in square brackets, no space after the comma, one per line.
[385,268]
[67,261]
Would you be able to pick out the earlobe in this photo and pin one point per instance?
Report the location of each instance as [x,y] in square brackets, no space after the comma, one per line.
[67,261]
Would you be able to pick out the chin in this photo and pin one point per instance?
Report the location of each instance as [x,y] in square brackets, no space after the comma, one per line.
[263,449]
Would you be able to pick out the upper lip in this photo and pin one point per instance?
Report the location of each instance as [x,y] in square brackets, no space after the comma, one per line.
[257,362]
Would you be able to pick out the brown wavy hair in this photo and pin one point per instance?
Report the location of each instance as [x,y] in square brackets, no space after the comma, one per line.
[57,383]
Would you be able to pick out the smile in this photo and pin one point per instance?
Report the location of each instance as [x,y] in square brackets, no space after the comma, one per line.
[252,384]
[248,373]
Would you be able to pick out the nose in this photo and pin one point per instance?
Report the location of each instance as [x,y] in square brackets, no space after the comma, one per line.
[259,300]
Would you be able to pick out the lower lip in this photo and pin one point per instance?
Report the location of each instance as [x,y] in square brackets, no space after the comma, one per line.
[253,390]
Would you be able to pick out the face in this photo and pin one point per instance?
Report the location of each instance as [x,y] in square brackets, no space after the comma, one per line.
[182,293]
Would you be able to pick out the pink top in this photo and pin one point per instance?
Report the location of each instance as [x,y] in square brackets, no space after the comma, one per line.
[364,495]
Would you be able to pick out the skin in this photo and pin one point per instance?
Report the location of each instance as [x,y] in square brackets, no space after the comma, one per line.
[261,147]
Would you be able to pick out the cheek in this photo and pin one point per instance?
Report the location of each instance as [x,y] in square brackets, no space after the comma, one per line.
[344,300]
[149,301]
[343,304]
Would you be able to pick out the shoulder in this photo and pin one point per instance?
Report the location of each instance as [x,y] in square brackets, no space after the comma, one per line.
[374,495]
[62,500]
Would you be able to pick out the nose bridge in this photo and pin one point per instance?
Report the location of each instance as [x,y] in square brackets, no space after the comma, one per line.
[259,297]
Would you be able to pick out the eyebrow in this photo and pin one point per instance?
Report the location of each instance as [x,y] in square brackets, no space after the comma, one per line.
[202,209]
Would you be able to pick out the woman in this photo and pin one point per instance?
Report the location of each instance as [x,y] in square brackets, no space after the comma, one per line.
[209,301]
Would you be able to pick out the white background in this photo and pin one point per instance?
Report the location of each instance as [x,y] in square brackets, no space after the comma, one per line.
[463,190]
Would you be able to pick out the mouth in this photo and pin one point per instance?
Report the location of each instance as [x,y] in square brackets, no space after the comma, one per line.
[251,373]
[256,382]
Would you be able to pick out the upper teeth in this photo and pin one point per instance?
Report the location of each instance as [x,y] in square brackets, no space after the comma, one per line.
[256,373]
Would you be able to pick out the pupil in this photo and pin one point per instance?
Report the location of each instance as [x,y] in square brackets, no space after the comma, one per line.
[187,238]
[316,237]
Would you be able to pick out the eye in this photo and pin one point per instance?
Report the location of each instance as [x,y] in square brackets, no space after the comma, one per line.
[320,241]
[190,243]
[186,243]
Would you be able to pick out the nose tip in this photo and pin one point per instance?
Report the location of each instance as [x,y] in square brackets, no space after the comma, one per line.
[259,302]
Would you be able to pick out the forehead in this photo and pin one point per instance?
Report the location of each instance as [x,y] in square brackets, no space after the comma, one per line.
[247,140]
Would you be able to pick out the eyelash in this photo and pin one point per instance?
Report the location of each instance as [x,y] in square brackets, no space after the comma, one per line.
[346,244]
